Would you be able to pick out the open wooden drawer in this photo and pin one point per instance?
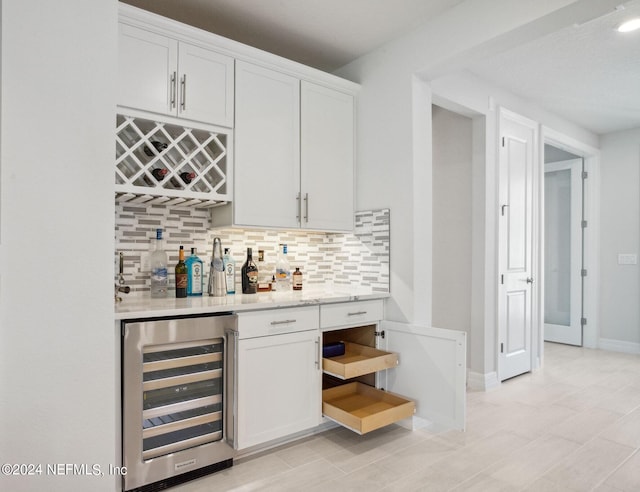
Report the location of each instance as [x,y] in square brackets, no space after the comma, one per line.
[363,408]
[358,360]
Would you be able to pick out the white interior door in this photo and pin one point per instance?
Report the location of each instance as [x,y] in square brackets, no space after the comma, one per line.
[517,159]
[563,252]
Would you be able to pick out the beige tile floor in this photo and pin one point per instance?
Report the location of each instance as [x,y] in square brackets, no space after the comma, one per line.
[572,426]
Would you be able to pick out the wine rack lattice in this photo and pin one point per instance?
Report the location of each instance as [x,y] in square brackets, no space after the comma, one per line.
[164,163]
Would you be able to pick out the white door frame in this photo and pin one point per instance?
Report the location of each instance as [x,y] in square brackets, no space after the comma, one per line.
[591,157]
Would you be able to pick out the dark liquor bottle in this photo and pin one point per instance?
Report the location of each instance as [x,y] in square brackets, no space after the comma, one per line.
[249,275]
[181,275]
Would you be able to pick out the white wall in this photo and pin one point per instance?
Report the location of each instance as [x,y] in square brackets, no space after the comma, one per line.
[452,227]
[620,233]
[57,339]
[394,149]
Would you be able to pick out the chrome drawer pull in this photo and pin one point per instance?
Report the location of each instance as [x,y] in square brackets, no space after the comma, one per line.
[357,313]
[284,322]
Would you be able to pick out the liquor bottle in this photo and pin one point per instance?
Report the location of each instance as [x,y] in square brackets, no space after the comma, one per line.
[229,271]
[249,275]
[283,270]
[181,275]
[297,279]
[194,274]
[158,265]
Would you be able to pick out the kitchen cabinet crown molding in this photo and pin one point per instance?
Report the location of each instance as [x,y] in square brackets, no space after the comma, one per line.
[143,19]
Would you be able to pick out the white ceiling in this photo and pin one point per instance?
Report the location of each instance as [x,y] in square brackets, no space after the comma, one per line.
[588,74]
[324,34]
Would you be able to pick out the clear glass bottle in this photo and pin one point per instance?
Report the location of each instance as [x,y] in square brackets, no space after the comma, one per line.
[249,275]
[158,265]
[181,275]
[283,270]
[229,271]
[195,276]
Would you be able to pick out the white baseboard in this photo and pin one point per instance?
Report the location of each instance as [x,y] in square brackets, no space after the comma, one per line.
[482,382]
[619,346]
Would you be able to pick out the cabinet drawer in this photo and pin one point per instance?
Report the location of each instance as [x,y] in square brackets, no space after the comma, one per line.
[358,360]
[277,321]
[363,408]
[350,313]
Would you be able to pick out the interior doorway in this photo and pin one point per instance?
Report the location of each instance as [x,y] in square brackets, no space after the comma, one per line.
[563,246]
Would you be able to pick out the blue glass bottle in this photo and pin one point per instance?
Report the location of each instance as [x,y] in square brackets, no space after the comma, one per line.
[194,274]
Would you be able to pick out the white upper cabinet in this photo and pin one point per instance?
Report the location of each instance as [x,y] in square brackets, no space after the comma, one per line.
[327,158]
[267,148]
[162,75]
[294,159]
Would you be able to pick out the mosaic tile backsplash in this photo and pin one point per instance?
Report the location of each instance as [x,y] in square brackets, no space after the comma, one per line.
[360,259]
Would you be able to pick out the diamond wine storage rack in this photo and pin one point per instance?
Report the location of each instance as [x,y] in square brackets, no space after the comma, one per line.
[163,163]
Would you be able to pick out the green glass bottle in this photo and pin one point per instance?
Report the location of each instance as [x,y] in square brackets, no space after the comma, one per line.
[181,275]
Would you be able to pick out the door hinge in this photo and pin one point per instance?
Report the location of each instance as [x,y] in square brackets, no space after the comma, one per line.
[584,224]
[583,272]
[583,321]
[502,348]
[585,174]
[379,333]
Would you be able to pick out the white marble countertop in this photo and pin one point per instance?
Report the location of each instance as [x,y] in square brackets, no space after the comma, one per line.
[144,307]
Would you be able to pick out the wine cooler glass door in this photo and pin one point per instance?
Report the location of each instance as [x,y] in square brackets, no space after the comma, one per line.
[176,411]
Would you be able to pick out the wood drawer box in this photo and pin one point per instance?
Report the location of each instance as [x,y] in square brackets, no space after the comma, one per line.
[358,360]
[363,408]
[277,321]
[351,313]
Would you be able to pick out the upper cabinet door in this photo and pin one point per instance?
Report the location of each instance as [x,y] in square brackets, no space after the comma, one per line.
[327,158]
[146,64]
[205,85]
[164,76]
[267,148]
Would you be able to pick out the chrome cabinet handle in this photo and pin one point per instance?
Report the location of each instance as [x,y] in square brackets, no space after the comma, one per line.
[298,207]
[283,322]
[306,207]
[173,90]
[357,313]
[183,95]
[318,353]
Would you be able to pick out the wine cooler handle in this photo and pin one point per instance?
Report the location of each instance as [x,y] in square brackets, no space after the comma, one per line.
[173,90]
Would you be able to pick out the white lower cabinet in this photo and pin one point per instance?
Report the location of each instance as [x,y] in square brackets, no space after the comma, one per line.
[391,371]
[349,393]
[278,374]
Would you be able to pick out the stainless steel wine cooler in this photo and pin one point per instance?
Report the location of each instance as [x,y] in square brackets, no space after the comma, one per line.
[177,403]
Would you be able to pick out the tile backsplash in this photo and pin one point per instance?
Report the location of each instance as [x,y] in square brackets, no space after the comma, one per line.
[358,259]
